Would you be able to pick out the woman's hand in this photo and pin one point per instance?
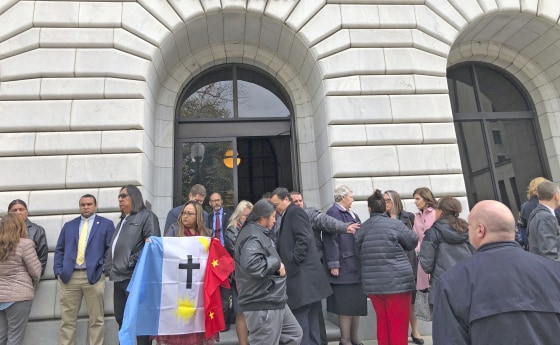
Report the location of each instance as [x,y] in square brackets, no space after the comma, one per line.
[282,270]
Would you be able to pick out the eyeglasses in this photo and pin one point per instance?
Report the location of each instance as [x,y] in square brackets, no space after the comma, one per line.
[122,195]
[188,214]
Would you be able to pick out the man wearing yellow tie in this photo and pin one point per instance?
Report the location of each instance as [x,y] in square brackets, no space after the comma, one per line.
[78,265]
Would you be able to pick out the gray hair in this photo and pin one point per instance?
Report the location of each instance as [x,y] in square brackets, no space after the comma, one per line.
[341,191]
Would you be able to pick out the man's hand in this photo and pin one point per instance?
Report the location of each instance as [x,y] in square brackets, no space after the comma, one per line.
[334,272]
[352,228]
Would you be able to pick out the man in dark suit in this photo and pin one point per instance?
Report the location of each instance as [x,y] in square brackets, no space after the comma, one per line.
[78,265]
[198,194]
[219,218]
[307,282]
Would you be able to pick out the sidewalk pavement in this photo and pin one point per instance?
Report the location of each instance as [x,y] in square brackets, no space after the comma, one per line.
[427,341]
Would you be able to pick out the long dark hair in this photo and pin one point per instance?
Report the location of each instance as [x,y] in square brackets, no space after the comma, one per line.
[261,209]
[17,202]
[136,198]
[450,209]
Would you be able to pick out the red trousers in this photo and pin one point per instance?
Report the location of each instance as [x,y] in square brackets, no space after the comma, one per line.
[392,313]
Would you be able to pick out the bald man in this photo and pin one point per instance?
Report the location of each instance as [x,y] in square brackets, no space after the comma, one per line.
[500,295]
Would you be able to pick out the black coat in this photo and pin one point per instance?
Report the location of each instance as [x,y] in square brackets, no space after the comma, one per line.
[307,279]
[256,270]
[500,295]
[407,218]
[381,244]
[130,242]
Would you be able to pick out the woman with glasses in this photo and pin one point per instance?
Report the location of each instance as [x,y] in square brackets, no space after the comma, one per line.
[189,223]
[395,210]
[343,268]
[136,226]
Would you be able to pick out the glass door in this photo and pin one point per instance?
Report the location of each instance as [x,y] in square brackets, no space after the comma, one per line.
[212,164]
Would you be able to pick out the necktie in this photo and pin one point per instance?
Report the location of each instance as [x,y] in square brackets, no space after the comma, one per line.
[82,243]
[217,226]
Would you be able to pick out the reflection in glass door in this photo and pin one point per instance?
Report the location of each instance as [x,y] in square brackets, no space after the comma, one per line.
[210,164]
[241,114]
[499,142]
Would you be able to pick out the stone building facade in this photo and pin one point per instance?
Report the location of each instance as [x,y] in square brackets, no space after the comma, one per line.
[89,94]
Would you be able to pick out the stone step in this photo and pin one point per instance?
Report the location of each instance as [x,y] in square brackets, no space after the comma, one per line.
[230,337]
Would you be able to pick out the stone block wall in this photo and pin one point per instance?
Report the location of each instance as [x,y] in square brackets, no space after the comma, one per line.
[88,92]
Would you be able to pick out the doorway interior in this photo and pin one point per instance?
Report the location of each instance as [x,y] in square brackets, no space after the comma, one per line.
[235,135]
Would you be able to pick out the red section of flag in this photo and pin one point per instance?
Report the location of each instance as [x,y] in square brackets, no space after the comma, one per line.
[218,268]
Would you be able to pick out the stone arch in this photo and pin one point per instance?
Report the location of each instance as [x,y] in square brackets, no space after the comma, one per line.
[526,45]
[289,61]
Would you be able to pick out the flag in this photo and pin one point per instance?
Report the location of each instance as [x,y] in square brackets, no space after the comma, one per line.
[218,269]
[166,291]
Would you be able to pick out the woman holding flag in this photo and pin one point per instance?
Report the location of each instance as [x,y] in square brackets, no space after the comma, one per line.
[190,223]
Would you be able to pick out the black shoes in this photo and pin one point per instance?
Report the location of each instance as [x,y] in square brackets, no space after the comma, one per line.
[418,341]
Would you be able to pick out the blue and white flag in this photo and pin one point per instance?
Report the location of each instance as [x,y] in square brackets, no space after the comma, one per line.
[166,290]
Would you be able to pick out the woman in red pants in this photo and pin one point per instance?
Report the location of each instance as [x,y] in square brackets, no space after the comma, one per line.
[387,278]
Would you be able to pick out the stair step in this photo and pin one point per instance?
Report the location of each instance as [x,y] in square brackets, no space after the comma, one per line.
[230,337]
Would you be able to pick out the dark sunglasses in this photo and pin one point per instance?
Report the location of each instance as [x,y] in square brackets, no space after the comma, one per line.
[122,195]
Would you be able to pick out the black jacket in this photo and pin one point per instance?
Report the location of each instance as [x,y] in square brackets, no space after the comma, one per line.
[500,295]
[441,249]
[256,270]
[37,234]
[307,279]
[381,244]
[407,218]
[322,222]
[230,237]
[136,229]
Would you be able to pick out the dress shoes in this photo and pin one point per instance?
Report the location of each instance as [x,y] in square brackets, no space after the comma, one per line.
[418,341]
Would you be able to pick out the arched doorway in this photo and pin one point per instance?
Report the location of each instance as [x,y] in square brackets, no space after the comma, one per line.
[497,133]
[234,135]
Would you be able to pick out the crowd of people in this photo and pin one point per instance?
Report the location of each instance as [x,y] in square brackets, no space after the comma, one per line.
[289,258]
